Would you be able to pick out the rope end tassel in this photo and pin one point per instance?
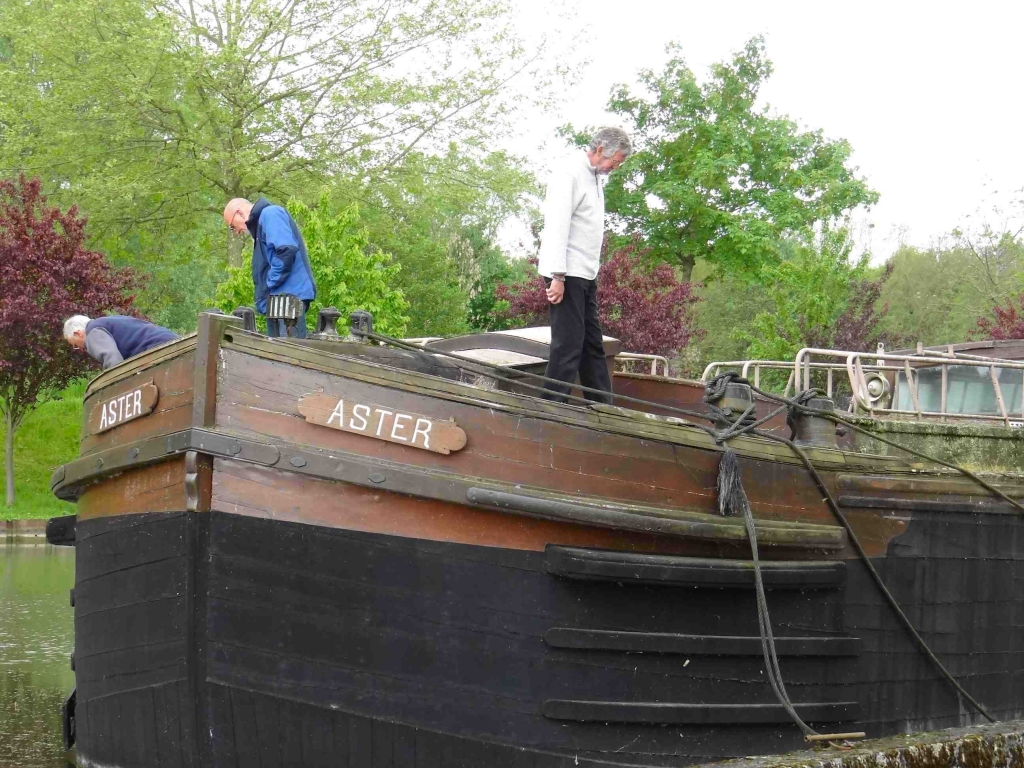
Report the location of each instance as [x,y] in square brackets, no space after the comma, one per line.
[732,499]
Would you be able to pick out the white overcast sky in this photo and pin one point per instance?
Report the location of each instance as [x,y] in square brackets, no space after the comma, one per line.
[928,94]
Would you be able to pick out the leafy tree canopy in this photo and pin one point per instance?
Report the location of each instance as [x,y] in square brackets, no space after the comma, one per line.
[438,216]
[149,111]
[936,295]
[715,175]
[818,295]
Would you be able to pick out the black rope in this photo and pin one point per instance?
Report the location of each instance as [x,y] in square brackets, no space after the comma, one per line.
[796,405]
[736,495]
[904,619]
[514,376]
[732,499]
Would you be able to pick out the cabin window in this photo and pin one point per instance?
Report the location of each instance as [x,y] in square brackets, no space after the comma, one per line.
[969,390]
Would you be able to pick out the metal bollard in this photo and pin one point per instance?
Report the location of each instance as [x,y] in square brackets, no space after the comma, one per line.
[733,404]
[360,323]
[327,321]
[248,317]
[814,431]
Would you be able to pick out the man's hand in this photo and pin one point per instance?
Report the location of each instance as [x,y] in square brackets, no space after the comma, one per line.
[555,290]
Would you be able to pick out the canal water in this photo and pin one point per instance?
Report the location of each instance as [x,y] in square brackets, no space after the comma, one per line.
[36,638]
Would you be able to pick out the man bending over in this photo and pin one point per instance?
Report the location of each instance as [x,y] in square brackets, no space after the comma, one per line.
[114,338]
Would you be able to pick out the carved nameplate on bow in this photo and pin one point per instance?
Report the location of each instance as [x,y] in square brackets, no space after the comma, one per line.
[382,423]
[126,407]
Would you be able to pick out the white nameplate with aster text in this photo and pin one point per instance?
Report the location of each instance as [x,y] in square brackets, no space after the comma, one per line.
[123,408]
[390,424]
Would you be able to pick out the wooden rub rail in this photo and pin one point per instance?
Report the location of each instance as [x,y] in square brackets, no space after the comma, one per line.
[657,713]
[70,480]
[629,567]
[696,645]
[655,520]
[926,505]
[67,481]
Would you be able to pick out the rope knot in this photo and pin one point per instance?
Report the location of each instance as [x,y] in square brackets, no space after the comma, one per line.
[736,417]
[714,389]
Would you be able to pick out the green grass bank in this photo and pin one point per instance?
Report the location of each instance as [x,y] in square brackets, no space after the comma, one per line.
[47,438]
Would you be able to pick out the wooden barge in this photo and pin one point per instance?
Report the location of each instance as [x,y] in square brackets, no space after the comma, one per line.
[328,553]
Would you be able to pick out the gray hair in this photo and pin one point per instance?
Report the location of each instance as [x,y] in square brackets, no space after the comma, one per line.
[613,140]
[75,323]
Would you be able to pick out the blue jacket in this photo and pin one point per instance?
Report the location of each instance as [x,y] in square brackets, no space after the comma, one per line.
[130,337]
[280,263]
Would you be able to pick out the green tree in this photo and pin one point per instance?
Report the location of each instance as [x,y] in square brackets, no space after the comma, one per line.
[819,295]
[936,295]
[727,308]
[350,274]
[150,111]
[181,275]
[438,216]
[487,312]
[717,177]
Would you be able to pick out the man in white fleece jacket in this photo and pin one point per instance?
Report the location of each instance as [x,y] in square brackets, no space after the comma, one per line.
[570,256]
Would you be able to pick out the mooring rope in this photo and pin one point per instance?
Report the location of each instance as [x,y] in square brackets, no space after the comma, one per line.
[515,376]
[797,403]
[732,500]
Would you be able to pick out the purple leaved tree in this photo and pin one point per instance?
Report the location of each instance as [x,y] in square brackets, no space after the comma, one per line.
[648,310]
[46,275]
[1006,322]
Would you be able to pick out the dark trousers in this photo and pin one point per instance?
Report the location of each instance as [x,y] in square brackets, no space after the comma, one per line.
[576,346]
[278,329]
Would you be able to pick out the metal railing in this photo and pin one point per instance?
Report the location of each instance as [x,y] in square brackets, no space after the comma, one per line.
[653,359]
[745,366]
[901,368]
[856,368]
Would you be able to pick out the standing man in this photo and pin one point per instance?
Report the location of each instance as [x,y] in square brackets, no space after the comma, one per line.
[570,257]
[280,263]
[114,338]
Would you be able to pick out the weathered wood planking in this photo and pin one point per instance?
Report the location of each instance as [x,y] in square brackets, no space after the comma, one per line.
[173,411]
[132,641]
[933,486]
[256,397]
[155,488]
[254,491]
[410,630]
[371,420]
[606,419]
[688,395]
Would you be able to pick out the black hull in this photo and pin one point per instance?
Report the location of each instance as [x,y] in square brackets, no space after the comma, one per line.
[217,639]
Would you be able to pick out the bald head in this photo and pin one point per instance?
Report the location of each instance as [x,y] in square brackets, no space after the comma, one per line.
[236,213]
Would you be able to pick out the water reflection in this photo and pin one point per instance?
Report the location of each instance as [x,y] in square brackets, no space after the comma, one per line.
[36,637]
